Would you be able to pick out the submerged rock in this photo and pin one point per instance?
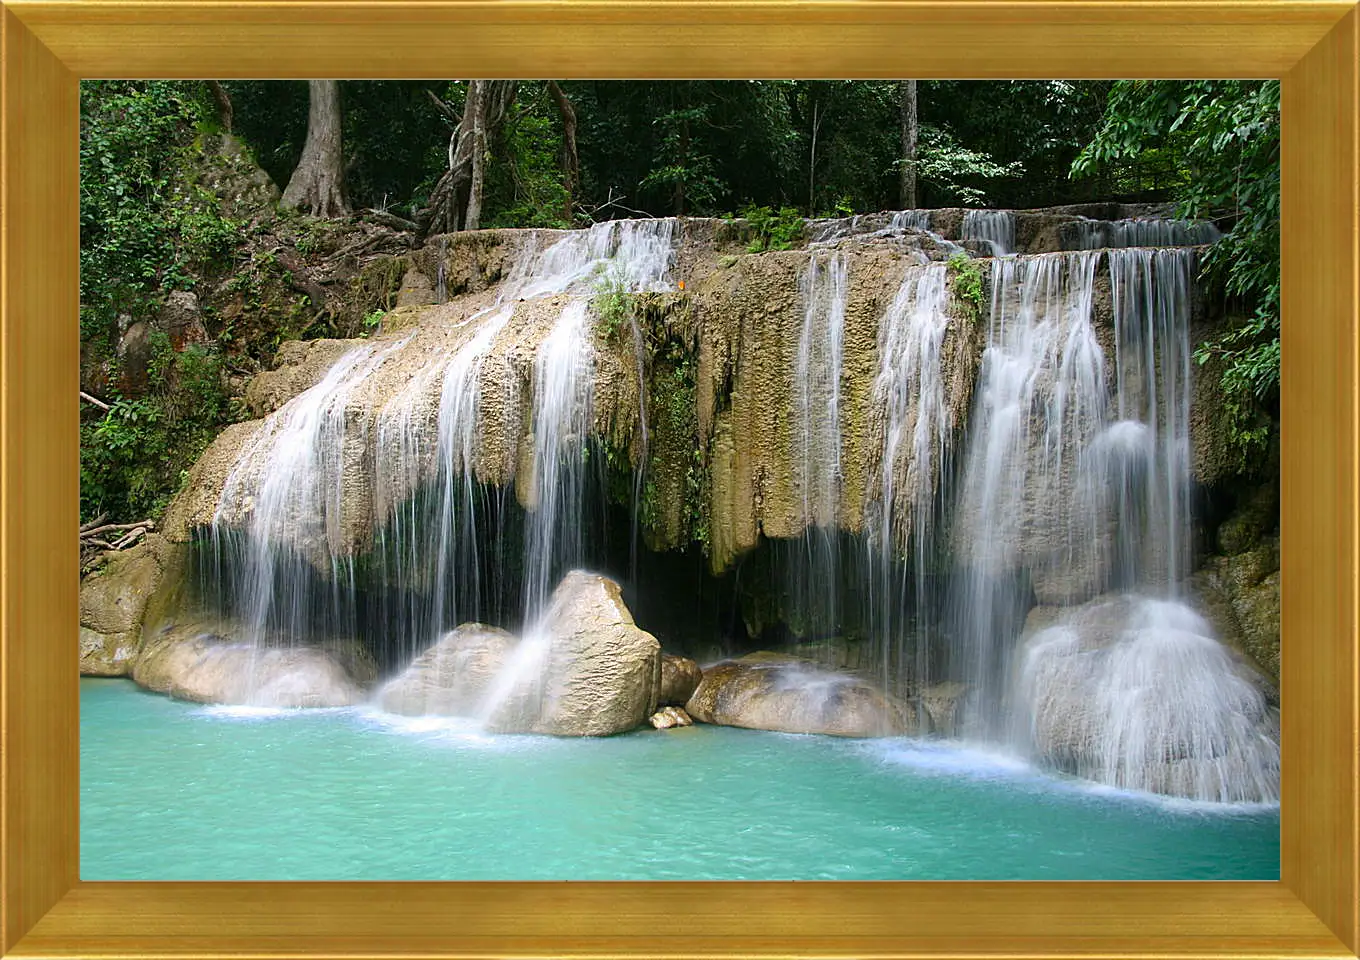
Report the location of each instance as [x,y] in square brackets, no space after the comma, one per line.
[668,718]
[1137,693]
[680,677]
[195,662]
[586,670]
[770,691]
[453,677]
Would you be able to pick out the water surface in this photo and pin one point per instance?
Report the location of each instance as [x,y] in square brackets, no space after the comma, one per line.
[177,791]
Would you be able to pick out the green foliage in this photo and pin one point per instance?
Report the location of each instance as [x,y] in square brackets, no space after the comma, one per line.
[614,305]
[1218,142]
[525,182]
[372,321]
[684,169]
[135,458]
[144,228]
[773,231]
[952,168]
[965,282]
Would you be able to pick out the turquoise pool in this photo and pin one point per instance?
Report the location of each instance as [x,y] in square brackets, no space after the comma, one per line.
[177,791]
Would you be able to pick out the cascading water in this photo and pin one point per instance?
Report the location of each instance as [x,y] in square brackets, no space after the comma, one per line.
[817,407]
[562,381]
[1094,234]
[1039,402]
[1148,453]
[276,539]
[993,227]
[910,398]
[1157,705]
[910,220]
[1071,491]
[285,493]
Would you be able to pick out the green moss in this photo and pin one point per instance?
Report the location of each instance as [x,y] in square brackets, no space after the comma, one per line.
[674,511]
[614,306]
[965,282]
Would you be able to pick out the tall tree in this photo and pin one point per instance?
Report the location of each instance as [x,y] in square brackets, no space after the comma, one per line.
[317,185]
[910,131]
[456,203]
[571,164]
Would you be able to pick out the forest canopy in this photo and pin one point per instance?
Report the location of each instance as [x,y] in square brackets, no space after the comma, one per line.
[439,155]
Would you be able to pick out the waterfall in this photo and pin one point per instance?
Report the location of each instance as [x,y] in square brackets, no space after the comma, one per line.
[562,382]
[1146,456]
[869,226]
[1076,482]
[912,406]
[1024,531]
[817,387]
[994,227]
[1163,707]
[279,558]
[1039,401]
[286,494]
[817,434]
[910,220]
[1093,234]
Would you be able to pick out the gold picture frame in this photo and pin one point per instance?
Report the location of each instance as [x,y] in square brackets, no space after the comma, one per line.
[49,45]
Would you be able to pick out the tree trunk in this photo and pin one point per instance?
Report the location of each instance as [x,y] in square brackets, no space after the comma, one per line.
[317,185]
[812,161]
[224,110]
[452,206]
[908,198]
[477,106]
[679,197]
[571,164]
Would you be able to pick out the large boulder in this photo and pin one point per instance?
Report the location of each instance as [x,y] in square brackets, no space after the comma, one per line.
[770,691]
[113,603]
[585,670]
[1138,694]
[202,663]
[680,677]
[453,677]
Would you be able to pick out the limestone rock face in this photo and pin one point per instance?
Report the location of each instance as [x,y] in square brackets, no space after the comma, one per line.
[197,662]
[299,365]
[1137,693]
[680,677]
[1240,595]
[586,670]
[769,691]
[669,718]
[415,290]
[113,603]
[453,677]
[107,654]
[197,502]
[113,599]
